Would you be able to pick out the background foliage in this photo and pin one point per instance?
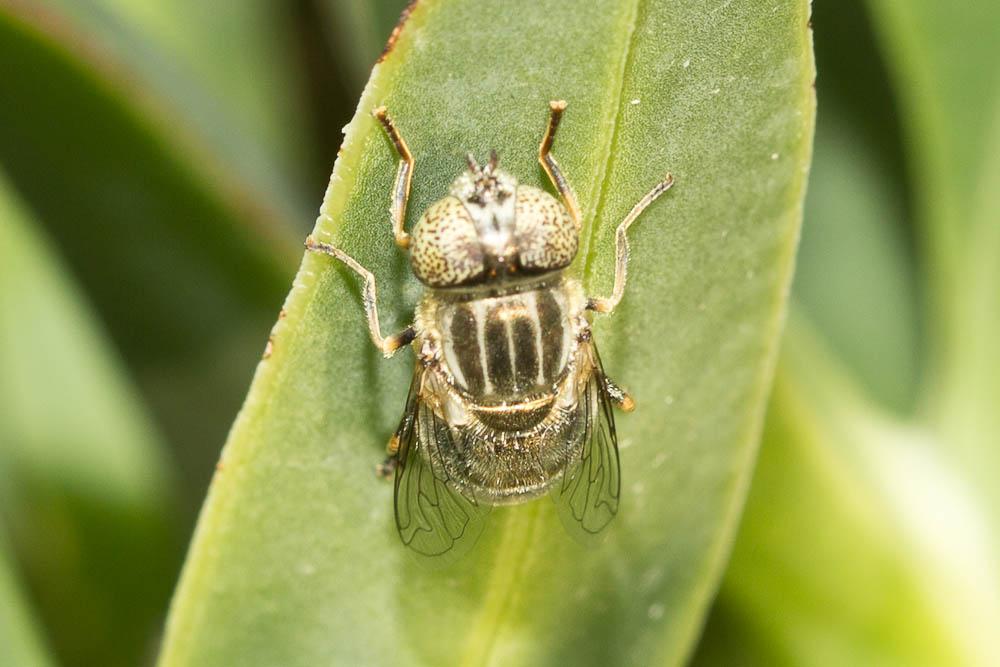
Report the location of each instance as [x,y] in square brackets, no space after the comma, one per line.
[162,161]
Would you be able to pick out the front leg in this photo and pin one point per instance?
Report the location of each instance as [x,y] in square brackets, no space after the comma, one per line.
[551,167]
[387,345]
[404,174]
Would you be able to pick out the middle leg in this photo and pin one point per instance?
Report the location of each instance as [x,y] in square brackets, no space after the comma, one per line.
[388,345]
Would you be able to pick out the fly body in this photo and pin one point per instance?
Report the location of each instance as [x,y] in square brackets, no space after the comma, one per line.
[505,369]
[509,400]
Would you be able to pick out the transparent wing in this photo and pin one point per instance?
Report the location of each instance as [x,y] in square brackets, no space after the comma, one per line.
[434,515]
[590,490]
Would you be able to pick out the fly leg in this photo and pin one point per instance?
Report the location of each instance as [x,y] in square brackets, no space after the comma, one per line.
[399,443]
[387,345]
[387,468]
[608,304]
[619,396]
[404,174]
[551,167]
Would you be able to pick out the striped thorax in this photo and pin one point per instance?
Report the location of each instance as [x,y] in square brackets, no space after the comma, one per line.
[496,348]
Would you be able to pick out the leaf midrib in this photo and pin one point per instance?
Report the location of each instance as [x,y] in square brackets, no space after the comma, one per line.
[506,580]
[495,611]
[615,115]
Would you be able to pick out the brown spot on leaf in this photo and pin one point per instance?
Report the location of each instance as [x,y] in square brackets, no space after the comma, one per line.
[394,35]
[269,348]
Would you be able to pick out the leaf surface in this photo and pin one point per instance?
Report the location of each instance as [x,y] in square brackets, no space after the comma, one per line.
[139,222]
[856,276]
[868,537]
[862,541]
[20,638]
[949,78]
[184,267]
[85,485]
[296,561]
[220,78]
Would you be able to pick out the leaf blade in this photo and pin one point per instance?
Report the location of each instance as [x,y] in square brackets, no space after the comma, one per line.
[193,61]
[86,488]
[126,190]
[185,265]
[20,637]
[477,107]
[841,555]
[948,76]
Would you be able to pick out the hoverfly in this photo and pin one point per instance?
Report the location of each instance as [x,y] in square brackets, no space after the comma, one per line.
[509,400]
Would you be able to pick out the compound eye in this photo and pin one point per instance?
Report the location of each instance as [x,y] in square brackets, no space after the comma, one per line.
[545,235]
[445,251]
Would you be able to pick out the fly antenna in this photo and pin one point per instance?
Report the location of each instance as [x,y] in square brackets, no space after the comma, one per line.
[474,167]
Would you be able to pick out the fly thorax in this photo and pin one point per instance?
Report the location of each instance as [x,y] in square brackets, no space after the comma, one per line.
[507,349]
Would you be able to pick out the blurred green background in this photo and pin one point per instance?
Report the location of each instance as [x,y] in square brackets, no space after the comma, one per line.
[160,163]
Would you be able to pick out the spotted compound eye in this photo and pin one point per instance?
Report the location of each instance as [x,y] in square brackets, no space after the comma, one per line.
[445,249]
[545,235]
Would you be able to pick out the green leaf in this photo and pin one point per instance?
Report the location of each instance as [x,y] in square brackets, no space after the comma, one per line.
[20,639]
[869,539]
[295,560]
[85,485]
[948,75]
[185,269]
[856,277]
[949,80]
[357,30]
[138,222]
[861,543]
[224,78]
[853,276]
[969,416]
